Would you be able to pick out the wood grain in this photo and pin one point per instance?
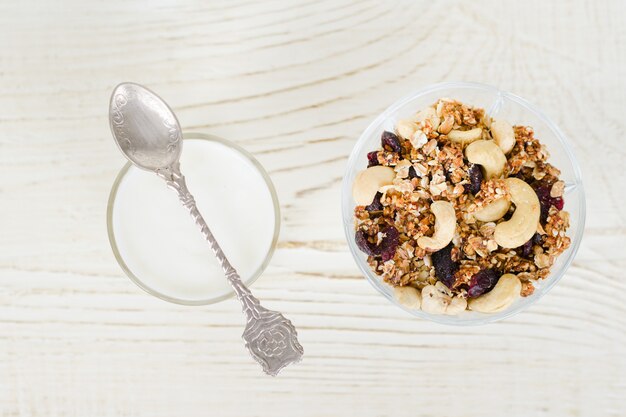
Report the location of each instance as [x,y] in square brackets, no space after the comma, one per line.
[295,83]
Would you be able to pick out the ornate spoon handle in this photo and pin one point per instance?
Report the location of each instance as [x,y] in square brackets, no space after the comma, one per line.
[270,337]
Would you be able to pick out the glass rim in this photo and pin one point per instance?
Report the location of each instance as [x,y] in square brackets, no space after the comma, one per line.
[181,301]
[348,215]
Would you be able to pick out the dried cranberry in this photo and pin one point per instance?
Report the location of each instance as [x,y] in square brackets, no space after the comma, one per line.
[475,178]
[526,249]
[390,243]
[390,142]
[558,202]
[543,193]
[412,173]
[387,248]
[445,267]
[482,282]
[542,190]
[372,159]
[365,245]
[376,204]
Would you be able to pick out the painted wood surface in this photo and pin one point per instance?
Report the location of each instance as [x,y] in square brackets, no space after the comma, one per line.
[294,83]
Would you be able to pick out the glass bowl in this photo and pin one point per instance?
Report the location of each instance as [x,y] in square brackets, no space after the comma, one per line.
[496,103]
[141,281]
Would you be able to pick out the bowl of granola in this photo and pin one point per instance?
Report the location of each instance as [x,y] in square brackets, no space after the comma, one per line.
[463,204]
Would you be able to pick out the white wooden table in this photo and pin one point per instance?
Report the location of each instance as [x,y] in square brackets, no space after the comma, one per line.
[295,83]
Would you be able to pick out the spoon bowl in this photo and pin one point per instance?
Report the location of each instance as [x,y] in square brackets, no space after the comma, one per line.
[151,140]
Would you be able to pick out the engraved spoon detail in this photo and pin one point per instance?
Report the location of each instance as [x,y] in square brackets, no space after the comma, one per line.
[149,135]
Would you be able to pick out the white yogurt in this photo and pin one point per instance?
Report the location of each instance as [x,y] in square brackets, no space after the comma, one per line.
[158,240]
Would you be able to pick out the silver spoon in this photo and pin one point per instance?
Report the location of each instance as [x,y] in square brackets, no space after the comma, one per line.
[148,134]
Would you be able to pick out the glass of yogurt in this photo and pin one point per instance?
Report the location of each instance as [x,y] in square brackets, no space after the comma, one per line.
[159,247]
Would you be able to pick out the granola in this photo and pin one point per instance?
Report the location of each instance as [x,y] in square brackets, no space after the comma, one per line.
[457,201]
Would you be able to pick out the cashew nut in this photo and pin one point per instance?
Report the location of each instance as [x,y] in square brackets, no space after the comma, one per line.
[493,211]
[457,306]
[428,113]
[523,224]
[466,136]
[503,134]
[406,128]
[488,155]
[445,225]
[409,297]
[367,183]
[500,297]
[437,299]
